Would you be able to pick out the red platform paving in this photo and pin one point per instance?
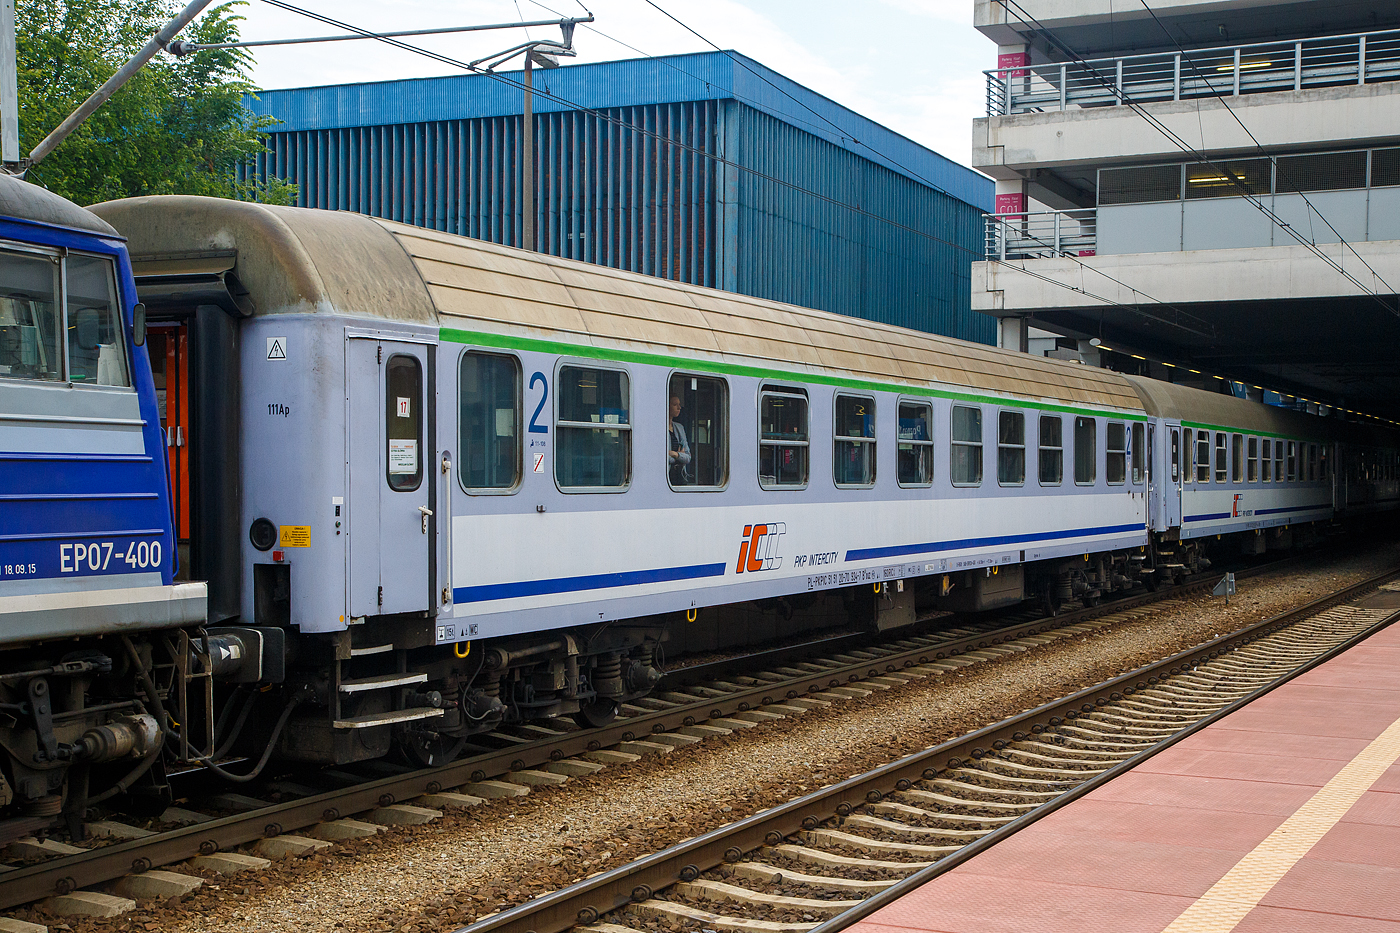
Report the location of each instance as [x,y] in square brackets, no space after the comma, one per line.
[1141,853]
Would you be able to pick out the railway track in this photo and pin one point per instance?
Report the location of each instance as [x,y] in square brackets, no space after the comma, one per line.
[708,699]
[823,861]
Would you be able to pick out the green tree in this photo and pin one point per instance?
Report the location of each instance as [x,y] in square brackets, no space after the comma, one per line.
[180,126]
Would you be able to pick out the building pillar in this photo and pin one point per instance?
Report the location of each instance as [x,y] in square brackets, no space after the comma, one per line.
[1013,334]
[1089,353]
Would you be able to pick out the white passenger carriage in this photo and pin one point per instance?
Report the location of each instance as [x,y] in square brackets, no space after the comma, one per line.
[475,482]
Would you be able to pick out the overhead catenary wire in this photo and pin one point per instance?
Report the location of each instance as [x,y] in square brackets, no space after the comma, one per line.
[1198,155]
[1178,313]
[1273,160]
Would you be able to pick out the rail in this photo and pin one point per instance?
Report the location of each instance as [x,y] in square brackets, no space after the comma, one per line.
[586,902]
[1326,61]
[68,873]
[1041,235]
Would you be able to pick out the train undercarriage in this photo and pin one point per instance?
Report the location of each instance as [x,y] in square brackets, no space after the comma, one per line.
[108,720]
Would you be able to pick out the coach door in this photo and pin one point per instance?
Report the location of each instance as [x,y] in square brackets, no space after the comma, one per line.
[1175,474]
[390,447]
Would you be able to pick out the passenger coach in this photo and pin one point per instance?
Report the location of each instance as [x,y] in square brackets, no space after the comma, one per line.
[467,482]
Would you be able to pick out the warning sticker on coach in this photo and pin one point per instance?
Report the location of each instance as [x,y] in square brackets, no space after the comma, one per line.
[277,348]
[294,536]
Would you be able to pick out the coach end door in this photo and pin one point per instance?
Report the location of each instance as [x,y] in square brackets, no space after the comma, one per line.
[391,444]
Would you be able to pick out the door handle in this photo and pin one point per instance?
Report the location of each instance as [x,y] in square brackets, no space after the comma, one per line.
[426,513]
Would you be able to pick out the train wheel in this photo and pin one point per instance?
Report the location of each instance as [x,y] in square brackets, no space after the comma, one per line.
[596,714]
[428,749]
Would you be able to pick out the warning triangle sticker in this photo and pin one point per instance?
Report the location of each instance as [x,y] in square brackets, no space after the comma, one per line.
[276,348]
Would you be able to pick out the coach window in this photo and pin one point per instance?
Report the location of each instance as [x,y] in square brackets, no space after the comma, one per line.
[1052,450]
[1176,457]
[1011,448]
[1266,462]
[783,438]
[1252,461]
[96,354]
[31,332]
[1086,451]
[488,423]
[1236,458]
[594,444]
[403,396]
[697,433]
[1292,461]
[1278,461]
[1116,462]
[1312,463]
[1222,466]
[1139,452]
[1323,464]
[1203,456]
[853,461]
[1188,456]
[966,451]
[915,443]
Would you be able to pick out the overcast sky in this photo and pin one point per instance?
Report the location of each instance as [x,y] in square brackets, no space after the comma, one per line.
[913,65]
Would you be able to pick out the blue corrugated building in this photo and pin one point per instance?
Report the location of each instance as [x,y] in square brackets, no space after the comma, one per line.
[706,168]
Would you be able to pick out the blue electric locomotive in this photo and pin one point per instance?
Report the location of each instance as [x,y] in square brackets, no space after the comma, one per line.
[88,556]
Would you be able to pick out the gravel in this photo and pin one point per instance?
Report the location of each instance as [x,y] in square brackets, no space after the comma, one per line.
[470,863]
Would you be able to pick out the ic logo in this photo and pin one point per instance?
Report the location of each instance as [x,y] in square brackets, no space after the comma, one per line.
[759,547]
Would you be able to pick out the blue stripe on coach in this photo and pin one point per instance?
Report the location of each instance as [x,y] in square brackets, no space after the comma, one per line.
[597,581]
[905,549]
[1213,516]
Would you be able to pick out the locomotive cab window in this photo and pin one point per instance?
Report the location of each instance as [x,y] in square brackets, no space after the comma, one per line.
[1052,450]
[594,444]
[915,447]
[1116,465]
[1236,458]
[1011,448]
[403,420]
[854,451]
[1139,452]
[489,423]
[31,329]
[966,452]
[697,433]
[1086,451]
[96,351]
[783,440]
[1252,461]
[1266,462]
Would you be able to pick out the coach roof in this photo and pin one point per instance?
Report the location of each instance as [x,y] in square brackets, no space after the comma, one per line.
[301,260]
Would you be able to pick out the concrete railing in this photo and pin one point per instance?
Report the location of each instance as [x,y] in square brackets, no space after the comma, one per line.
[1329,61]
[1041,235]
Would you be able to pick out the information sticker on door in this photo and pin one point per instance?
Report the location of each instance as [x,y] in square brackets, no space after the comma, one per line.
[404,411]
[539,463]
[403,456]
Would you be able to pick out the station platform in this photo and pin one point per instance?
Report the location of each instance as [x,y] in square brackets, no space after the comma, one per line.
[1283,817]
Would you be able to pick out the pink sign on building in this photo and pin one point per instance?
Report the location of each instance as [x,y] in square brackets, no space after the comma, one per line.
[1013,64]
[1011,203]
